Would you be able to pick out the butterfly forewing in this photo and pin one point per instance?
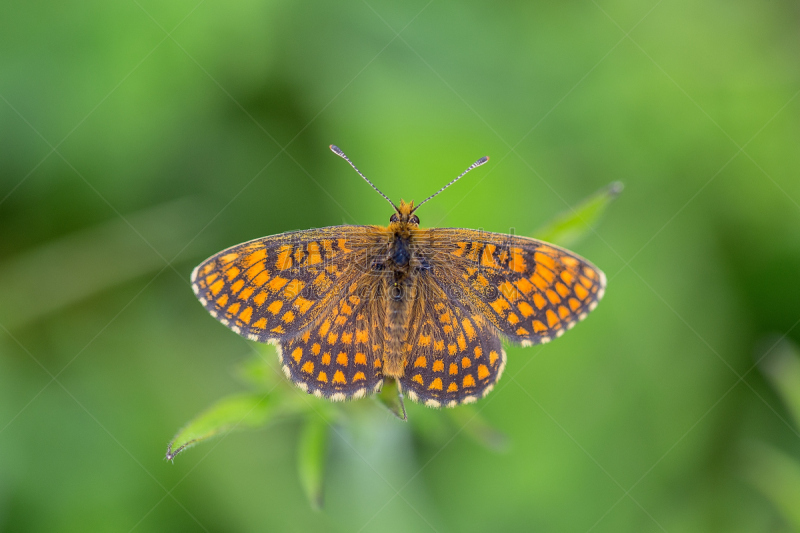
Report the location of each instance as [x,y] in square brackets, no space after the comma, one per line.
[530,290]
[270,289]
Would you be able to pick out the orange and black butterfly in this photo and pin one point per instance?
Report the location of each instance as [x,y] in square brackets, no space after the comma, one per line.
[350,306]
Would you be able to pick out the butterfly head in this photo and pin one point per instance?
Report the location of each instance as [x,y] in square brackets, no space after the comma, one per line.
[405,214]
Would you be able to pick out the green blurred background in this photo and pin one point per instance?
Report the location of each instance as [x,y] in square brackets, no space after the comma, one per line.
[140,137]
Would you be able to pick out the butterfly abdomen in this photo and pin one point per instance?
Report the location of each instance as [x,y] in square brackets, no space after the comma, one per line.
[400,293]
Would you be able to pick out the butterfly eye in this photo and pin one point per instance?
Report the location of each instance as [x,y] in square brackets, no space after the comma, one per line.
[414,219]
[393,218]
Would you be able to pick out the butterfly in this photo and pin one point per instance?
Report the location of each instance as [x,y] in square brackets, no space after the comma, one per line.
[351,306]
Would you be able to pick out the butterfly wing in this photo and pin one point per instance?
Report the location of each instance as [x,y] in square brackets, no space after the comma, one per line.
[339,356]
[270,289]
[530,290]
[456,357]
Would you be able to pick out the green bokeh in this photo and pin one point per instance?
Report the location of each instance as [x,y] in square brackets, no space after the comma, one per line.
[182,128]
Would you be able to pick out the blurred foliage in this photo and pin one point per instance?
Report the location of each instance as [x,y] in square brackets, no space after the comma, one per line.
[781,365]
[775,473]
[311,459]
[139,138]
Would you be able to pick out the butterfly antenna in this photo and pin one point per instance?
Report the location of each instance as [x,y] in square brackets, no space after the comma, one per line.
[338,151]
[476,164]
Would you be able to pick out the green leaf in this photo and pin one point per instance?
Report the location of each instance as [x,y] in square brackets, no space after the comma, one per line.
[781,365]
[392,399]
[477,428]
[777,476]
[312,450]
[570,226]
[233,412]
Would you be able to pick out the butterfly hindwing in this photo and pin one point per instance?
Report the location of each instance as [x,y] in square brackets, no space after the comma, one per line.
[530,290]
[340,355]
[455,357]
[269,289]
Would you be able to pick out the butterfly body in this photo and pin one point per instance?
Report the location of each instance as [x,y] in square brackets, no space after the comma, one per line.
[348,306]
[399,272]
